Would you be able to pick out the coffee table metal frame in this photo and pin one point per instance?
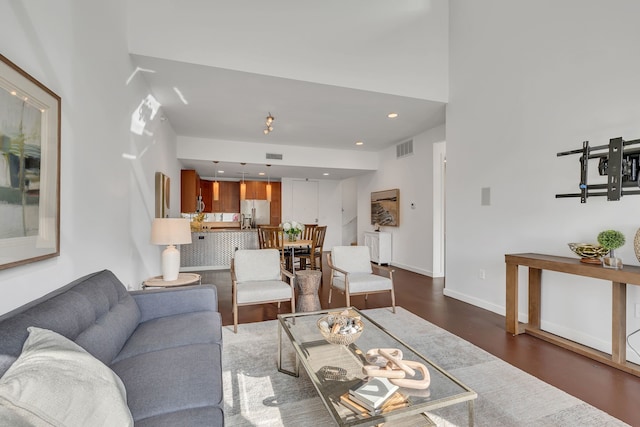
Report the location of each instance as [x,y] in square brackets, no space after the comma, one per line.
[456,392]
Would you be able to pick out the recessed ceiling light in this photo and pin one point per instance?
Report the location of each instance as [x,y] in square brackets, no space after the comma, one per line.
[261,173]
[359,143]
[326,174]
[220,171]
[392,115]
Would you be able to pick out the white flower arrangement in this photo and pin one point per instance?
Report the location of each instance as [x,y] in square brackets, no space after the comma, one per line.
[292,228]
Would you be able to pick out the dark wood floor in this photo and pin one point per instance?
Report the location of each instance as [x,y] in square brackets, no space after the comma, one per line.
[608,389]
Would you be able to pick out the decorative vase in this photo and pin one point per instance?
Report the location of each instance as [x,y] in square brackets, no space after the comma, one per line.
[292,237]
[611,261]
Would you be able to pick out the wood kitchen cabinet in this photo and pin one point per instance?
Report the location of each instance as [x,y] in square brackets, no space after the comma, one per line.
[189,190]
[229,197]
[256,190]
[276,203]
[206,187]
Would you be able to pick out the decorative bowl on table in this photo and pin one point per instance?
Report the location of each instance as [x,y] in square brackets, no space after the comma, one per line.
[339,328]
[588,252]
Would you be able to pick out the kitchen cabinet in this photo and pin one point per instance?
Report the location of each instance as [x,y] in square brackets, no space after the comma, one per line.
[189,190]
[206,187]
[229,197]
[379,243]
[276,203]
[256,190]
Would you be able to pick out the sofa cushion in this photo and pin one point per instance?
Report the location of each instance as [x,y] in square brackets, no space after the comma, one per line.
[56,381]
[175,379]
[206,416]
[173,331]
[95,311]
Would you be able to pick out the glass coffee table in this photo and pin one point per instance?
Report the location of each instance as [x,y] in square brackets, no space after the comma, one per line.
[334,368]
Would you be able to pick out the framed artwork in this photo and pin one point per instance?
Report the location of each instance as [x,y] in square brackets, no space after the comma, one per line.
[163,186]
[29,168]
[385,207]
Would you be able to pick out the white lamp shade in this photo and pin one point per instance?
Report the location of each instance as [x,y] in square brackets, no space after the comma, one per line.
[170,231]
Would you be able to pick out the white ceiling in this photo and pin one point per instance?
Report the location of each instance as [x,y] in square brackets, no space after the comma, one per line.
[201,98]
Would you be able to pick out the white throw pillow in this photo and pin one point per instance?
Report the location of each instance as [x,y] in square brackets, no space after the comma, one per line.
[55,382]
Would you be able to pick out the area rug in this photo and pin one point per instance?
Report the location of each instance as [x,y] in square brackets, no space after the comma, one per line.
[256,394]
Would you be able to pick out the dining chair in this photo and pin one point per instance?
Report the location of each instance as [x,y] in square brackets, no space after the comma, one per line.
[352,273]
[315,254]
[258,277]
[272,237]
[307,232]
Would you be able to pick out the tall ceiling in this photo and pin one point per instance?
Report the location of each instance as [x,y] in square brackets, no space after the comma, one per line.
[328,73]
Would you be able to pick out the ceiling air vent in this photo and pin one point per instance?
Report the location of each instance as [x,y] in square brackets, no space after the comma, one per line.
[273,156]
[404,149]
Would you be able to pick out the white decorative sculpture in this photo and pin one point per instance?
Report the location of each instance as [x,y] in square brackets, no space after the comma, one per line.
[388,363]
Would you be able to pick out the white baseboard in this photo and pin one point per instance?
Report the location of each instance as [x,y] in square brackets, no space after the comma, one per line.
[413,269]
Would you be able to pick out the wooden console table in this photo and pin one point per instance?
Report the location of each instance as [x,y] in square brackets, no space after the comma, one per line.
[619,280]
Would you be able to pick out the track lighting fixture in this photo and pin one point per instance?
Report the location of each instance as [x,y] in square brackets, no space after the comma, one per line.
[268,122]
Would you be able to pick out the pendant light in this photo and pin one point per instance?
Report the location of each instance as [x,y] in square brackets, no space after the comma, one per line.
[268,184]
[243,186]
[216,185]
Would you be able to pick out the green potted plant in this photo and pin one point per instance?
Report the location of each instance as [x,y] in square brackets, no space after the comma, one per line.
[612,240]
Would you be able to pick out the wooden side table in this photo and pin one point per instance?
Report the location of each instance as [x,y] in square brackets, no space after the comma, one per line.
[183,279]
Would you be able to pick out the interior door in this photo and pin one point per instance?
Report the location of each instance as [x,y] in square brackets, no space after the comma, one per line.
[305,201]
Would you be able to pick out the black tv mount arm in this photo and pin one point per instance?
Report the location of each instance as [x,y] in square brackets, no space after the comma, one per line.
[619,163]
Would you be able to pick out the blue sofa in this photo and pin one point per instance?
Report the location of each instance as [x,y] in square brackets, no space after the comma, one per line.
[164,344]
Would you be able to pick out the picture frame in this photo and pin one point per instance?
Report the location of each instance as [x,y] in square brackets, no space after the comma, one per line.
[30,118]
[163,187]
[385,208]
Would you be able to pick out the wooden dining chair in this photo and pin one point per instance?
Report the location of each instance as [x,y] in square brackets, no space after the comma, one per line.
[307,232]
[272,237]
[315,254]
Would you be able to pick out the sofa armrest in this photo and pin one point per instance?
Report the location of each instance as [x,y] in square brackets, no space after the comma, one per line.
[156,303]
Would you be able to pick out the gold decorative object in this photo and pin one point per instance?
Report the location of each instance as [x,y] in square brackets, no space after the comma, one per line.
[589,252]
[340,328]
[636,244]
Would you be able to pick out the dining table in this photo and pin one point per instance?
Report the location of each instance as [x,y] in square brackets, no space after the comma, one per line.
[292,245]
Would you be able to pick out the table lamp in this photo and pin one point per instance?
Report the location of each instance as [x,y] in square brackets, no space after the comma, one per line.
[170,232]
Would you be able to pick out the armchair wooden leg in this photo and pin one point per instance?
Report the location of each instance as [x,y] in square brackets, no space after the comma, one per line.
[393,301]
[330,289]
[235,319]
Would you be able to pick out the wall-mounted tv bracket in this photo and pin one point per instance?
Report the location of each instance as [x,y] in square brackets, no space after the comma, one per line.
[617,161]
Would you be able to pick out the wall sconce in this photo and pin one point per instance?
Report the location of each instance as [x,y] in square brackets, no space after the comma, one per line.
[170,232]
[216,185]
[269,121]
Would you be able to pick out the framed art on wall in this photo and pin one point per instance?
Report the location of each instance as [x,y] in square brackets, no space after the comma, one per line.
[163,186]
[29,168]
[385,207]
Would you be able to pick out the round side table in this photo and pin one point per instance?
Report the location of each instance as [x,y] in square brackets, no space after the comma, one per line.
[308,282]
[183,279]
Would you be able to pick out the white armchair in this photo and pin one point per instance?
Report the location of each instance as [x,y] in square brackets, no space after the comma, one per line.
[257,277]
[352,273]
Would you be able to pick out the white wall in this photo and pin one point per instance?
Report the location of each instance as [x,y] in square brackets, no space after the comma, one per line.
[79,50]
[412,246]
[527,80]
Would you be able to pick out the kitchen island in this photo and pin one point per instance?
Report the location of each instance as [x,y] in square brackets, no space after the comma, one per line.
[213,249]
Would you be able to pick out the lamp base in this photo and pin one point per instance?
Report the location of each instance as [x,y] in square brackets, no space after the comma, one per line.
[170,263]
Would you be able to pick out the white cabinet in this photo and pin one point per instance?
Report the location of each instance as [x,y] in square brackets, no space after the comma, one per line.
[379,244]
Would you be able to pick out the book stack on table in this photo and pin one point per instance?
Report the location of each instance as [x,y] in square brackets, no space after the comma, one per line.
[373,396]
